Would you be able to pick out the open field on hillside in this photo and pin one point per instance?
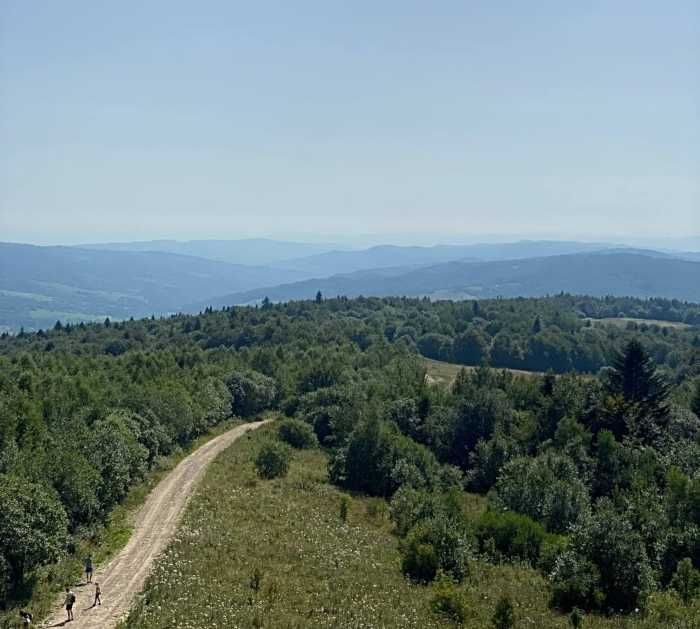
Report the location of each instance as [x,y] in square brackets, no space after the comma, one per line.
[443,373]
[623,321]
[254,553]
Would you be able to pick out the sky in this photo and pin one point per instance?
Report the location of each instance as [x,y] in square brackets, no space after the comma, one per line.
[419,121]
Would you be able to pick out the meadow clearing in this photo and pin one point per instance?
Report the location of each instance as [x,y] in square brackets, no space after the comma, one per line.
[277,553]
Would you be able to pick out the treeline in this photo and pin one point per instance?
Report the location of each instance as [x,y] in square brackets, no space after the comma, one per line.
[558,334]
[655,308]
[537,334]
[85,410]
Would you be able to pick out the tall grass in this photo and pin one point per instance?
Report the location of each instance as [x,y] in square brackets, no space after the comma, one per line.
[258,553]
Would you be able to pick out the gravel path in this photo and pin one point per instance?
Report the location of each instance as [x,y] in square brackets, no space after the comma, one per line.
[156,521]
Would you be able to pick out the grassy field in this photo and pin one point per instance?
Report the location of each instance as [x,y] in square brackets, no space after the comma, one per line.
[104,543]
[623,321]
[254,553]
[445,373]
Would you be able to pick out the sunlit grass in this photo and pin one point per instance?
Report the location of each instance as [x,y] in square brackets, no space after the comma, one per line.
[254,553]
[444,374]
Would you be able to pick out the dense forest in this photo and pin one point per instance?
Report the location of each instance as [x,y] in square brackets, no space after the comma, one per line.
[592,478]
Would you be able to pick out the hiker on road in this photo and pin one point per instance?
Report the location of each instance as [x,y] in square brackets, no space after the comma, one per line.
[88,569]
[70,601]
[98,593]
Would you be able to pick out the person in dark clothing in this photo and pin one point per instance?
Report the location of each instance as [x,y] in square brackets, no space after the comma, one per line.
[69,602]
[88,569]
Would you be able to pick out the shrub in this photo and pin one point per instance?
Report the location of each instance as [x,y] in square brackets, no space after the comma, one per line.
[553,547]
[576,618]
[575,582]
[33,527]
[504,615]
[665,610]
[376,509]
[344,502]
[514,536]
[435,544]
[420,561]
[118,456]
[607,565]
[447,601]
[686,581]
[251,393]
[297,434]
[487,460]
[546,488]
[379,459]
[273,460]
[409,506]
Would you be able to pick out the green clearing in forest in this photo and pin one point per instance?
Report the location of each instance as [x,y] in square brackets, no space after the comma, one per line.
[443,373]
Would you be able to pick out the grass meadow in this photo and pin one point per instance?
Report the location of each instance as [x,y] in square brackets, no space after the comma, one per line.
[623,321]
[254,553]
[444,374]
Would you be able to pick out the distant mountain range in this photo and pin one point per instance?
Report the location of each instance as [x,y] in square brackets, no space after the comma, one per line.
[601,273]
[387,256]
[249,251]
[39,285]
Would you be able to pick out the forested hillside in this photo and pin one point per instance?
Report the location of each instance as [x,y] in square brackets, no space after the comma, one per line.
[643,274]
[86,410]
[41,284]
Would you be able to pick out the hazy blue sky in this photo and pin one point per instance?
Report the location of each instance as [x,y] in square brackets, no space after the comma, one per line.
[134,120]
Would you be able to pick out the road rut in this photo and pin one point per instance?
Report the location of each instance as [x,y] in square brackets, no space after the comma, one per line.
[156,521]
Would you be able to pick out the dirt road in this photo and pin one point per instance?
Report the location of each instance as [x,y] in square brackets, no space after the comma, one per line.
[123,577]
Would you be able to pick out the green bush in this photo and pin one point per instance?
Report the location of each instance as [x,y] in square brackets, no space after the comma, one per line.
[297,434]
[33,526]
[504,615]
[343,511]
[273,460]
[575,583]
[251,393]
[435,544]
[513,535]
[379,459]
[409,506]
[545,488]
[686,581]
[607,566]
[420,561]
[553,547]
[576,618]
[447,601]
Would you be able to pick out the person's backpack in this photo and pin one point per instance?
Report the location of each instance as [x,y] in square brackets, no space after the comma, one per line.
[72,598]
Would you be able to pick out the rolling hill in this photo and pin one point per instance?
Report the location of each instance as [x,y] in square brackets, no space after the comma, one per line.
[249,251]
[597,274]
[39,285]
[387,256]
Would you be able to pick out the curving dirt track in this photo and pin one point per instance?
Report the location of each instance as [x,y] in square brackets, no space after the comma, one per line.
[156,521]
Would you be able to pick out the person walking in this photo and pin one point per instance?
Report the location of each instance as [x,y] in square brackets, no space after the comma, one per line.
[26,618]
[69,602]
[88,569]
[98,593]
